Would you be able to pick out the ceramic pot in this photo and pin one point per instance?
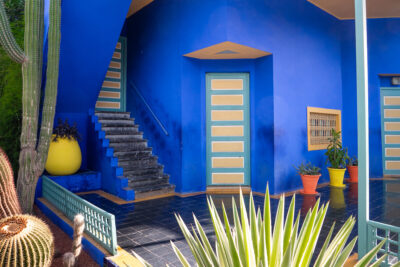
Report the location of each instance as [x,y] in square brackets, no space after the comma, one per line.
[336,176]
[64,157]
[353,173]
[309,183]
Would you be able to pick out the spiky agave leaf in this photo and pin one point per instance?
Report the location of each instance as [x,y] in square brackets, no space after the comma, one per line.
[253,242]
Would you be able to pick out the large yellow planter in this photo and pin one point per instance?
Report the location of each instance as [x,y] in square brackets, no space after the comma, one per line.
[64,157]
[336,176]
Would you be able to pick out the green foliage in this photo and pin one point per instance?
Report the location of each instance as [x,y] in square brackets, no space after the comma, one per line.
[308,169]
[353,161]
[336,153]
[11,88]
[255,241]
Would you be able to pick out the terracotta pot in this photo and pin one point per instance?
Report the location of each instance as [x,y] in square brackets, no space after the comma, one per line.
[309,183]
[353,173]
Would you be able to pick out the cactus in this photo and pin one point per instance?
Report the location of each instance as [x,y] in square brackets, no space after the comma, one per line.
[34,143]
[70,258]
[25,241]
[9,204]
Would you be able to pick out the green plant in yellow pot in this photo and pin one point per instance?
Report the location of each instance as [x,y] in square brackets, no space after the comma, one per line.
[65,155]
[337,157]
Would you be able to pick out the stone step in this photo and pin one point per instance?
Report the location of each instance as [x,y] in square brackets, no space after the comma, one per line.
[148,192]
[155,181]
[112,115]
[133,154]
[128,146]
[145,177]
[158,170]
[121,130]
[117,123]
[119,138]
[137,163]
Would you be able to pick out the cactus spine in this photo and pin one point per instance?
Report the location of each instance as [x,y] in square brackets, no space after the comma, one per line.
[34,148]
[9,204]
[25,241]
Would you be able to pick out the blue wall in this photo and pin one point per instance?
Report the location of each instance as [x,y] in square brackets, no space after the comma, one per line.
[304,70]
[384,57]
[89,33]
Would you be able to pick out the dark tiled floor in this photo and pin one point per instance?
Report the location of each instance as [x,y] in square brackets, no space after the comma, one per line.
[147,227]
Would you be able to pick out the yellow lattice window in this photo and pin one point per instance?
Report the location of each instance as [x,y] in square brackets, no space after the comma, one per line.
[320,122]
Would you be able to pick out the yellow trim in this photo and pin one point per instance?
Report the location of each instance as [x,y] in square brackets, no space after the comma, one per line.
[227,162]
[118,46]
[106,94]
[227,115]
[110,84]
[227,190]
[223,100]
[392,152]
[392,113]
[392,126]
[117,55]
[310,110]
[113,74]
[227,146]
[227,84]
[228,178]
[115,65]
[227,130]
[392,139]
[392,165]
[101,104]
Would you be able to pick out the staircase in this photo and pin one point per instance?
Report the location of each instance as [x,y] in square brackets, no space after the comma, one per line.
[144,174]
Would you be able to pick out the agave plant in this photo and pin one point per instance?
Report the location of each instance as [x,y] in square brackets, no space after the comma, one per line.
[252,239]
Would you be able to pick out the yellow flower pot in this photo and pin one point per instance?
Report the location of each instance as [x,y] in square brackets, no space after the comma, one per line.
[336,176]
[64,157]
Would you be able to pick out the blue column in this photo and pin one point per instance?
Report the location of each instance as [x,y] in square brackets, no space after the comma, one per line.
[362,124]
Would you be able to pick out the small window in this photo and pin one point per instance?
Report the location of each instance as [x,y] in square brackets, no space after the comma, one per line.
[320,122]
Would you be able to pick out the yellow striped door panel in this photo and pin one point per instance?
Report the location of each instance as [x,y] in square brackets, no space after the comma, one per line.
[227,130]
[227,162]
[392,113]
[228,178]
[392,126]
[226,84]
[101,104]
[227,115]
[106,94]
[392,165]
[391,100]
[227,100]
[392,152]
[392,139]
[226,146]
[115,65]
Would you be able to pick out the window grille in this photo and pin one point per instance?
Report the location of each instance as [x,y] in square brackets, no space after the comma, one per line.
[320,122]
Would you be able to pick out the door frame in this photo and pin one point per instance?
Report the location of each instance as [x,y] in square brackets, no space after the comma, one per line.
[246,123]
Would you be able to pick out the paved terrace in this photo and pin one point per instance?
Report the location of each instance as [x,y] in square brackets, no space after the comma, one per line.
[147,227]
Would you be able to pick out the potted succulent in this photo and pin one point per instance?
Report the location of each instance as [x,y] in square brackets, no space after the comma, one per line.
[337,157]
[309,176]
[352,168]
[64,157]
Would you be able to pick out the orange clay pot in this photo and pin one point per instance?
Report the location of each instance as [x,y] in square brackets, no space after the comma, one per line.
[353,173]
[309,184]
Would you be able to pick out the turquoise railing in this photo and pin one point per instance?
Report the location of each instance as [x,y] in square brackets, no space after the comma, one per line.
[99,224]
[379,231]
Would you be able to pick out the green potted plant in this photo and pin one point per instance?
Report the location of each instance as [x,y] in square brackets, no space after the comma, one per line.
[65,155]
[309,176]
[352,168]
[337,157]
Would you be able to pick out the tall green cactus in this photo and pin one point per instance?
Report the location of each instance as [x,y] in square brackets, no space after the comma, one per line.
[34,146]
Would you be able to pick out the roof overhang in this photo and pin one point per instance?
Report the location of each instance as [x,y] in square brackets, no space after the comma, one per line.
[227,50]
[344,9]
[137,5]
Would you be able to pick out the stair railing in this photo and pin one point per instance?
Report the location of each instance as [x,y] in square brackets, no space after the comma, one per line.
[131,84]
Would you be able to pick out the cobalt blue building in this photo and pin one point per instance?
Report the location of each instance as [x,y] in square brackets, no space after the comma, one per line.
[222,91]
